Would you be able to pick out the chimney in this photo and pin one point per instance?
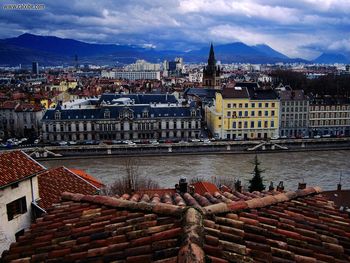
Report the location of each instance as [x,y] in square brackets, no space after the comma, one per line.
[271,187]
[183,185]
[280,187]
[301,186]
[238,186]
[339,187]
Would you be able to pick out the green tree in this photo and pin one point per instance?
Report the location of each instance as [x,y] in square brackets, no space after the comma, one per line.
[256,183]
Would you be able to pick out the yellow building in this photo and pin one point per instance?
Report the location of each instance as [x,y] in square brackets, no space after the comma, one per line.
[244,113]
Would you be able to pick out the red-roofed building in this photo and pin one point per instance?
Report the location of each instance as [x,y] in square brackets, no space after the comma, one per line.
[18,191]
[54,182]
[87,177]
[19,119]
[294,226]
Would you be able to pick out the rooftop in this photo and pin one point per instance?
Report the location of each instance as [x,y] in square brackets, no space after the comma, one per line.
[54,182]
[300,226]
[16,166]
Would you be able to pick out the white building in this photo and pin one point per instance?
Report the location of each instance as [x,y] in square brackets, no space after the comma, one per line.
[142,65]
[20,119]
[18,195]
[131,75]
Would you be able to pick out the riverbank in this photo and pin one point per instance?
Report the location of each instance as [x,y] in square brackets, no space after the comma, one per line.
[221,147]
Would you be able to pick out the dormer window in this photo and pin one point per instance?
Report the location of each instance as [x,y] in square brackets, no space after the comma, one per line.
[145,114]
[57,115]
[107,114]
[193,113]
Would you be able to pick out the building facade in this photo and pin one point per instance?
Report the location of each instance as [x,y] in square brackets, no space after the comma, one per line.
[212,72]
[328,119]
[243,113]
[18,191]
[294,114]
[123,117]
[131,75]
[20,119]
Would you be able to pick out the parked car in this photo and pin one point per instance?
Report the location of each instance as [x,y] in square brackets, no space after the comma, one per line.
[306,137]
[207,141]
[36,141]
[326,136]
[195,140]
[72,142]
[154,142]
[317,137]
[275,137]
[62,143]
[117,142]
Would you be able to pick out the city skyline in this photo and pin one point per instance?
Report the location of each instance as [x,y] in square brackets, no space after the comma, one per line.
[300,29]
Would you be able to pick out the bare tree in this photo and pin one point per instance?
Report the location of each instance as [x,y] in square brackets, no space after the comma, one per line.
[132,180]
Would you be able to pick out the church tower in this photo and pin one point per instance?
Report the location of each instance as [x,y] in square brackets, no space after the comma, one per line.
[211,72]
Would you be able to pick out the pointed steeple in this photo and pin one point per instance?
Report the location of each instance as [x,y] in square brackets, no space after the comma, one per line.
[211,59]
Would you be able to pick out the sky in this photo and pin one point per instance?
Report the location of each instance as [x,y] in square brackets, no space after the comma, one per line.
[297,28]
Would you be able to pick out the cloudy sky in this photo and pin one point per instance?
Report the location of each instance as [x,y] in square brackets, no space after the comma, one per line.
[298,28]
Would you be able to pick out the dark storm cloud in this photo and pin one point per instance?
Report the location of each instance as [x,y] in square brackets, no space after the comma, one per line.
[301,28]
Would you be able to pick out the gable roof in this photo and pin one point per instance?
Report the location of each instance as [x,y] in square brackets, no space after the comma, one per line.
[87,177]
[16,166]
[54,182]
[301,226]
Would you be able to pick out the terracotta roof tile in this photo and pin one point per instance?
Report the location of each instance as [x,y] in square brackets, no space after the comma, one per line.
[54,182]
[87,177]
[16,166]
[264,227]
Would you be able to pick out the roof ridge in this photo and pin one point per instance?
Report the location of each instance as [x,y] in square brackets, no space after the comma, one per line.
[259,202]
[81,178]
[158,208]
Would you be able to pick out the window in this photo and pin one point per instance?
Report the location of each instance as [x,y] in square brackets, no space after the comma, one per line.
[246,114]
[265,124]
[240,105]
[245,124]
[253,105]
[16,207]
[240,114]
[259,113]
[107,114]
[239,125]
[252,124]
[57,115]
[272,104]
[266,113]
[253,113]
[228,114]
[234,105]
[234,125]
[145,114]
[228,105]
[246,105]
[260,105]
[266,105]
[259,124]
[272,113]
[193,113]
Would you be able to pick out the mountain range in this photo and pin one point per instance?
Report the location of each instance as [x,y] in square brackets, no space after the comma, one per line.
[51,50]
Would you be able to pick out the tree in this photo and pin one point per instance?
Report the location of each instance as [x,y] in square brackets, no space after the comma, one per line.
[130,182]
[256,183]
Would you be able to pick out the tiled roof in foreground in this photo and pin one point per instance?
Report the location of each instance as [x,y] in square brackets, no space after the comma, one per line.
[301,226]
[16,166]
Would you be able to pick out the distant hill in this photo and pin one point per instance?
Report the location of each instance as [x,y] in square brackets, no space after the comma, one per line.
[331,58]
[51,50]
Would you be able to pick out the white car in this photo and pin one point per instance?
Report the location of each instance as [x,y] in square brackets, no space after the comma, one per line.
[207,141]
[317,137]
[62,143]
[36,141]
[275,137]
[154,142]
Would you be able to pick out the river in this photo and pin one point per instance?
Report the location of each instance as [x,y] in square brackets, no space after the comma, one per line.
[321,168]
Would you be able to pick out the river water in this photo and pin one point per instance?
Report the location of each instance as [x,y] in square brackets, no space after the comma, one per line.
[321,168]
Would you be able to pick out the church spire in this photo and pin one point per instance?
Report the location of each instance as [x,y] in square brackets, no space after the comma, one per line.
[211,59]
